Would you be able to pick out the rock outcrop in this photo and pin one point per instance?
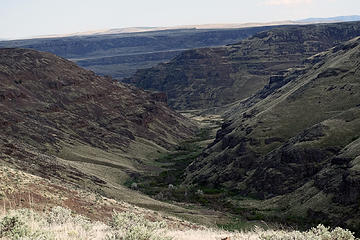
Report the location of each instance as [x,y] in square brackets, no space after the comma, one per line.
[213,77]
[298,146]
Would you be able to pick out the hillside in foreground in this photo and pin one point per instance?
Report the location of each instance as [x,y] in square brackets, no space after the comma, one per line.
[36,208]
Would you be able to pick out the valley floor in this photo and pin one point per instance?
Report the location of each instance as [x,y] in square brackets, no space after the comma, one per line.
[37,208]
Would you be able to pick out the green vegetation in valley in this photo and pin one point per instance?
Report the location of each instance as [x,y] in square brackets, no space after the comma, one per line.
[174,165]
[168,185]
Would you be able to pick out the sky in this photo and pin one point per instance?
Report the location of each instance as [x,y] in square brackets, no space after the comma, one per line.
[28,18]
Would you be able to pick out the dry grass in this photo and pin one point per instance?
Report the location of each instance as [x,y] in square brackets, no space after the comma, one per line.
[62,224]
[20,190]
[210,234]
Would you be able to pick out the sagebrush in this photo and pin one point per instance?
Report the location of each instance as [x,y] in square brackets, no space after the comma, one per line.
[62,224]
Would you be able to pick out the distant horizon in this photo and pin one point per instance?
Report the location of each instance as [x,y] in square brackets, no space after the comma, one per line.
[24,19]
[155,28]
[210,23]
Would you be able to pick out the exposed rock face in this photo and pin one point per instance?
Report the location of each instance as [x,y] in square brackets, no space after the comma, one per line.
[300,142]
[55,114]
[120,55]
[211,77]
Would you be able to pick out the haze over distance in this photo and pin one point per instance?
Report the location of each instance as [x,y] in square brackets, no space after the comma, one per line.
[29,18]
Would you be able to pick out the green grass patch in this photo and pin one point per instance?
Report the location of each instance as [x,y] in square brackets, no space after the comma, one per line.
[166,185]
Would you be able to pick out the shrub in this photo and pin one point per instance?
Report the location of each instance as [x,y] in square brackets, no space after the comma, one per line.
[132,226]
[18,225]
[318,233]
[134,186]
[59,215]
[324,233]
[13,227]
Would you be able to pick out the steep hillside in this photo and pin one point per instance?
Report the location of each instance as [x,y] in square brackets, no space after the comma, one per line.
[63,122]
[210,77]
[121,54]
[298,148]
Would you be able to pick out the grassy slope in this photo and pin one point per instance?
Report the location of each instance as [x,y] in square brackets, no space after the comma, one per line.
[66,124]
[296,148]
[22,190]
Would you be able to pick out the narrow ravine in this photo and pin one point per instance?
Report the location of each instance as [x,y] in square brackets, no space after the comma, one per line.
[167,185]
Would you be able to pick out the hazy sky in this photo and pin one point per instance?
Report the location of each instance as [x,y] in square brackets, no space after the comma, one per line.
[25,18]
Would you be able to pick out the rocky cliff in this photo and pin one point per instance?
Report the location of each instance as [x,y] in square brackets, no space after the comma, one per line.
[296,147]
[211,77]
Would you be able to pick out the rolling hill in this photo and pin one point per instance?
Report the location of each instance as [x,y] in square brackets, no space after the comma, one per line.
[62,122]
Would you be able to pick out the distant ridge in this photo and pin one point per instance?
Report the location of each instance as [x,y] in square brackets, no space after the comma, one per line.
[213,77]
[120,52]
[195,26]
[103,31]
[205,26]
[180,27]
[331,19]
